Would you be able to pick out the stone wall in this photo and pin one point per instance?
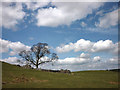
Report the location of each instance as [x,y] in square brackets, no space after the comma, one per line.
[60,71]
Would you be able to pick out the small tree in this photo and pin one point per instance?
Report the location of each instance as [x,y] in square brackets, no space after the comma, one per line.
[36,53]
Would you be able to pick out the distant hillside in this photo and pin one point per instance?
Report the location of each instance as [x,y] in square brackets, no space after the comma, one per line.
[116,70]
[16,77]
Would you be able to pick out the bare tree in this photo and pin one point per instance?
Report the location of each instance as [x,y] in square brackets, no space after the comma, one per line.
[37,52]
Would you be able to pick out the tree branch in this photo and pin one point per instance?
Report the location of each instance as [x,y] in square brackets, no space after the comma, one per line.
[44,62]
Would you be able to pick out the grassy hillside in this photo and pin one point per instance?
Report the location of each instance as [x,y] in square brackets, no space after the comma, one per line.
[17,77]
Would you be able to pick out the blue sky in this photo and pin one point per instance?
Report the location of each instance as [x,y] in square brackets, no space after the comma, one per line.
[60,24]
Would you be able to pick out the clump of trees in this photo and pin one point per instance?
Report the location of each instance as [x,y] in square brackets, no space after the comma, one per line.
[37,53]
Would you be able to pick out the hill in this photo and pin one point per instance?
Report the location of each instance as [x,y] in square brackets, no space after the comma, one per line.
[18,77]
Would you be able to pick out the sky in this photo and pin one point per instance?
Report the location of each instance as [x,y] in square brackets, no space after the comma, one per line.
[83,34]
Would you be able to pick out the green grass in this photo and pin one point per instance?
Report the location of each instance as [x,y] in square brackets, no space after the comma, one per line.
[17,77]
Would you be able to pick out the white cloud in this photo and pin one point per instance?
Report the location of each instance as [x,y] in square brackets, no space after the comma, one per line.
[11,60]
[14,60]
[11,15]
[16,47]
[65,48]
[116,50]
[96,58]
[4,45]
[83,64]
[84,58]
[101,45]
[83,55]
[73,63]
[45,58]
[88,46]
[62,14]
[65,13]
[83,24]
[83,45]
[108,20]
[113,60]
[36,5]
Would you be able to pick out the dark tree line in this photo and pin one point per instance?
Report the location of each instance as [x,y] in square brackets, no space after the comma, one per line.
[36,53]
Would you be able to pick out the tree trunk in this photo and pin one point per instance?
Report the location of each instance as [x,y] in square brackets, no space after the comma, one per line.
[36,66]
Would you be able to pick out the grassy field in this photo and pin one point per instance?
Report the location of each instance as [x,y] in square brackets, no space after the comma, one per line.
[17,77]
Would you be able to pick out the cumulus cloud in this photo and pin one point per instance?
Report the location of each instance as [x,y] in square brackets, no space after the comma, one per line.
[83,58]
[84,62]
[4,45]
[88,46]
[96,58]
[15,47]
[11,14]
[83,55]
[82,45]
[65,13]
[108,20]
[14,60]
[101,45]
[87,64]
[11,60]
